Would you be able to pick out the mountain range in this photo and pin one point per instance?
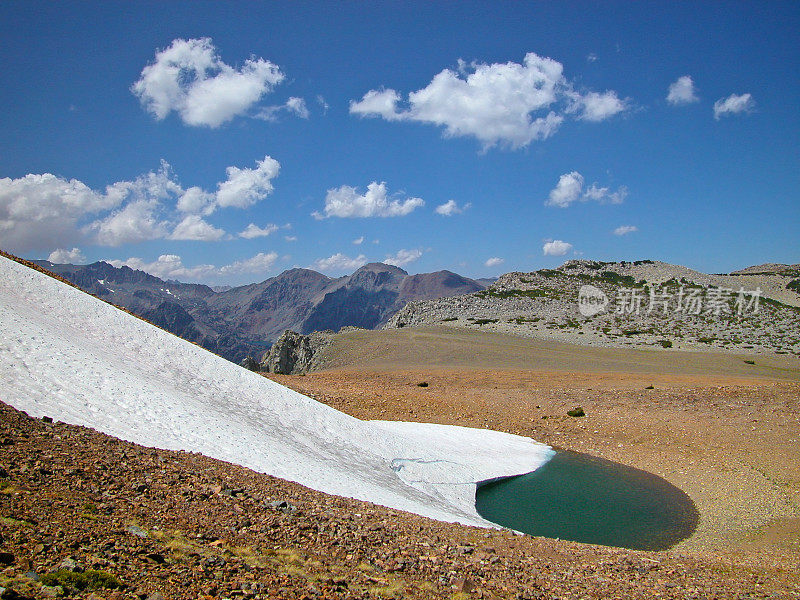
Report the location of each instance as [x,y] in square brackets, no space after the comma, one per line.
[241,321]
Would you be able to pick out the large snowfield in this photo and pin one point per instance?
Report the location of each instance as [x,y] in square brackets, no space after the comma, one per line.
[72,357]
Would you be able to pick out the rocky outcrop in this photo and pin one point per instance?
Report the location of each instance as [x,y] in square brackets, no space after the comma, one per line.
[250,364]
[546,303]
[294,352]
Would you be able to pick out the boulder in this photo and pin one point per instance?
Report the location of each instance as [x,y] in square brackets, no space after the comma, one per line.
[294,353]
[250,364]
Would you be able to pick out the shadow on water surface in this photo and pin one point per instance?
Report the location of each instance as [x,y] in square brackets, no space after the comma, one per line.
[587,499]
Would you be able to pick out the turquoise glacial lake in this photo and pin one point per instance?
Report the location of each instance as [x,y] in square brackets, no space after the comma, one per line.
[588,499]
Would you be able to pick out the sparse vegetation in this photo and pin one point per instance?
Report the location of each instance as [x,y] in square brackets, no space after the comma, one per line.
[665,343]
[548,273]
[630,332]
[624,280]
[576,412]
[490,293]
[521,320]
[88,580]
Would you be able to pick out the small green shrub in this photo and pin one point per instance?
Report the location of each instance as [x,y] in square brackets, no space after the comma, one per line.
[512,293]
[665,343]
[749,362]
[548,273]
[636,331]
[614,277]
[484,321]
[91,579]
[521,320]
[576,412]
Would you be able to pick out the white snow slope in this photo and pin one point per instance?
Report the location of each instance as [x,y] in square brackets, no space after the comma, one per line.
[72,357]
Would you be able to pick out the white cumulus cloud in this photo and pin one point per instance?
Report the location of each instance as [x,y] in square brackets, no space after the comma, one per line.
[254,231]
[595,107]
[570,189]
[359,240]
[402,257]
[625,229]
[378,103]
[245,187]
[62,256]
[733,105]
[510,104]
[556,248]
[494,261]
[346,201]
[193,227]
[138,221]
[339,263]
[196,200]
[40,211]
[191,79]
[682,91]
[451,208]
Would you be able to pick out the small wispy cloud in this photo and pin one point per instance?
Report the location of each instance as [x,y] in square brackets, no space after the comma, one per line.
[733,105]
[682,91]
[494,261]
[570,189]
[625,229]
[254,231]
[67,257]
[347,202]
[402,257]
[556,248]
[339,263]
[450,208]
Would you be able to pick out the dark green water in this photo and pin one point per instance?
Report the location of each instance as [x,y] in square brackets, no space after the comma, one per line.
[588,499]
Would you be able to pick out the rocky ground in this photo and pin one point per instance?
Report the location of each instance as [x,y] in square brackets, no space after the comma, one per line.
[88,516]
[649,304]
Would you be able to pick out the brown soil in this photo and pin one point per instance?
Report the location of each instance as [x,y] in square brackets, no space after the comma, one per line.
[216,530]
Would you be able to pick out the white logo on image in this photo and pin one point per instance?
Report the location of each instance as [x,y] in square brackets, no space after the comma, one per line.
[591,300]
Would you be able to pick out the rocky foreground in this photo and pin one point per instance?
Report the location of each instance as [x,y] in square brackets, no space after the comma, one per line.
[84,515]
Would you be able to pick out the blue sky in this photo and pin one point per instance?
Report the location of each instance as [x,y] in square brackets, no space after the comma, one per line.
[227,142]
